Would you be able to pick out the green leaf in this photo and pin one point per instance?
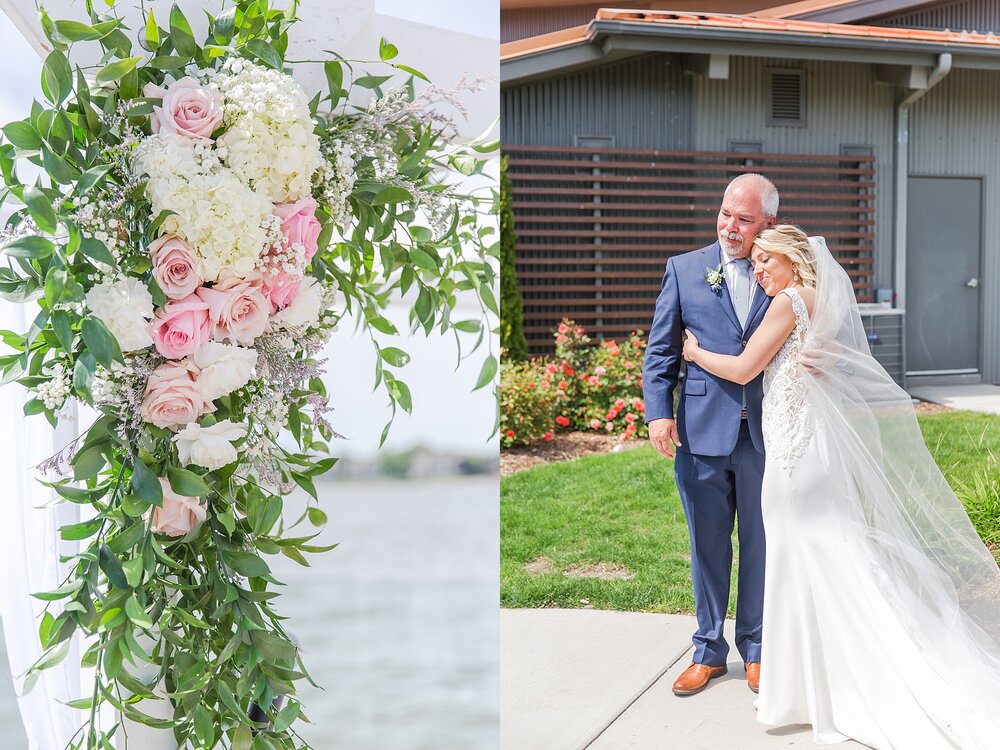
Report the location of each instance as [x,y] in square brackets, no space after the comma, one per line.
[127,539]
[468,326]
[23,135]
[371,82]
[88,462]
[488,372]
[412,71]
[96,250]
[395,357]
[41,209]
[112,567]
[133,571]
[265,53]
[317,517]
[67,589]
[115,71]
[57,76]
[243,739]
[83,374]
[56,166]
[286,716]
[247,564]
[100,342]
[145,483]
[186,482]
[77,32]
[134,506]
[63,329]
[423,259]
[401,393]
[272,646]
[204,726]
[386,51]
[392,194]
[334,78]
[169,62]
[53,656]
[32,246]
[55,283]
[137,614]
[89,178]
[83,530]
[152,32]
[180,33]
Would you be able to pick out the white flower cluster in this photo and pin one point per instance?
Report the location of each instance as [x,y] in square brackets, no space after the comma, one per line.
[94,221]
[125,307]
[335,180]
[226,222]
[55,392]
[269,141]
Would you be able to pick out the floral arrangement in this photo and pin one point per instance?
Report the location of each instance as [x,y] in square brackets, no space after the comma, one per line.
[586,387]
[203,227]
[715,278]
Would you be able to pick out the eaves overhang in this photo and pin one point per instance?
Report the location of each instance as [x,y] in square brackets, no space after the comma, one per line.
[614,35]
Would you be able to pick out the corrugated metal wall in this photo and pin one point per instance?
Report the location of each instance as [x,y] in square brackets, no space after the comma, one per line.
[969,15]
[843,107]
[953,132]
[642,103]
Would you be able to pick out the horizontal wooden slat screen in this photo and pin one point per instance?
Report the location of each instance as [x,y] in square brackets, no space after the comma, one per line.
[595,226]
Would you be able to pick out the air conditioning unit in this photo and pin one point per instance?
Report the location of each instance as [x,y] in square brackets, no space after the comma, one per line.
[886,334]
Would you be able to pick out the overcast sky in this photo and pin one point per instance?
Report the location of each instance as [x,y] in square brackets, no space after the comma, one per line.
[446,414]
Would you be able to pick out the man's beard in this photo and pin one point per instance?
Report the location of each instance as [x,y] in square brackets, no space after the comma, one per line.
[732,242]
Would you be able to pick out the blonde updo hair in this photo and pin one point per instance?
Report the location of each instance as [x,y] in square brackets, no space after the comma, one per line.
[793,243]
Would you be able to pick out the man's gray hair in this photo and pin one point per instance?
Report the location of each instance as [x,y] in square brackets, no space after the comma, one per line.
[768,192]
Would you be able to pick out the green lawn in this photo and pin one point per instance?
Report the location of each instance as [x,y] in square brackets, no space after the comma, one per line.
[622,510]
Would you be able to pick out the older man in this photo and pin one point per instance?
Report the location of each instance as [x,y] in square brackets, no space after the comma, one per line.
[716,432]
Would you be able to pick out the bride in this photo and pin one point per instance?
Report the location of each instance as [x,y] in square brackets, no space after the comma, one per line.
[881,604]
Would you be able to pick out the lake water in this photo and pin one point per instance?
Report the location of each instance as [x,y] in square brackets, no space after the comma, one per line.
[400,623]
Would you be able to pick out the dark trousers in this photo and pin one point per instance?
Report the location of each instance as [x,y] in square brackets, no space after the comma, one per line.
[715,491]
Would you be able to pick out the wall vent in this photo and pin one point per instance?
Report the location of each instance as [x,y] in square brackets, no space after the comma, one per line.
[786,97]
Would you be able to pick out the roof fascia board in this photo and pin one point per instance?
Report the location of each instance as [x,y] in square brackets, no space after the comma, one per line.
[610,39]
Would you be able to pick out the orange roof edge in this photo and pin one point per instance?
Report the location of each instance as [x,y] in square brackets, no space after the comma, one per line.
[790,10]
[552,40]
[752,23]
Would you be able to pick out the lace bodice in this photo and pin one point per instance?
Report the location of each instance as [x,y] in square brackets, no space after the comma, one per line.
[786,422]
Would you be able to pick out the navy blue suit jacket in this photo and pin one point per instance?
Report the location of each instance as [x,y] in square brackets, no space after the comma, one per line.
[709,411]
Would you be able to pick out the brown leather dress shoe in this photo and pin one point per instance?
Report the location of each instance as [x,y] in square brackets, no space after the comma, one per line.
[753,674]
[695,678]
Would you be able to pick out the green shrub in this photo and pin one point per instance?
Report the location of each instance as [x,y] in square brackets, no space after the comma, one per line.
[527,403]
[511,305]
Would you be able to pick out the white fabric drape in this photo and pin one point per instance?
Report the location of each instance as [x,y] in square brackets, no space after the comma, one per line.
[29,558]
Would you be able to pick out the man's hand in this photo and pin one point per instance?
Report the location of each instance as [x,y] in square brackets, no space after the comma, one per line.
[663,436]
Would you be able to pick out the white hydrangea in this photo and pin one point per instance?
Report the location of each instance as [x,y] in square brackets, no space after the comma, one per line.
[269,141]
[125,306]
[226,222]
[224,368]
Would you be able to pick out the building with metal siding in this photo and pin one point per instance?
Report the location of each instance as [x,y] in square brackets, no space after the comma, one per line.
[949,132]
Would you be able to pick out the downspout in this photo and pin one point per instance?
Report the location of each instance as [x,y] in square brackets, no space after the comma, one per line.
[902,159]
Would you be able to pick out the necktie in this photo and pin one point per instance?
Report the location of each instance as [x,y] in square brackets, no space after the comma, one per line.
[741,292]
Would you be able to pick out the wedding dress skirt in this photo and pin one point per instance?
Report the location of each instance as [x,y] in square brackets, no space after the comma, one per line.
[845,647]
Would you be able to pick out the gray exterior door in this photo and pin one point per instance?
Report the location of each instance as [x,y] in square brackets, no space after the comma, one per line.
[943,275]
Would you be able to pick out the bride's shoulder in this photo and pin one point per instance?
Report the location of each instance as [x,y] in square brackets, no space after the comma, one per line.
[808,295]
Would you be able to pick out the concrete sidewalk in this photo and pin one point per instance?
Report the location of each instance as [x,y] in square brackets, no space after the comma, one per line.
[575,679]
[982,398]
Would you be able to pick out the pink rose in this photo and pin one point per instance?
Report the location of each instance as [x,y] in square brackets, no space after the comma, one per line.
[281,289]
[173,398]
[181,326]
[238,309]
[187,109]
[174,266]
[299,224]
[178,514]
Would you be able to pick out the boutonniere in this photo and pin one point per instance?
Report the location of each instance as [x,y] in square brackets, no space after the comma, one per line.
[714,278]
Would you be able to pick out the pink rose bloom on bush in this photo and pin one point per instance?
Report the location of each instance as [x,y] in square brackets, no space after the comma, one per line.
[179,514]
[595,424]
[238,309]
[281,289]
[187,109]
[173,398]
[181,326]
[174,266]
[299,224]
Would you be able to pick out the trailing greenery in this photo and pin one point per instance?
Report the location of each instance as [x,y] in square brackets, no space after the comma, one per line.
[623,510]
[191,620]
[512,339]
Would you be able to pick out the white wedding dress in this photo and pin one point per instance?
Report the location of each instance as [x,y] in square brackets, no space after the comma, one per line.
[878,595]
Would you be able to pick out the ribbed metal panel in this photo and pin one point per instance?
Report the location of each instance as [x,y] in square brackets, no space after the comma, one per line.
[642,103]
[968,15]
[524,22]
[954,133]
[843,107]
